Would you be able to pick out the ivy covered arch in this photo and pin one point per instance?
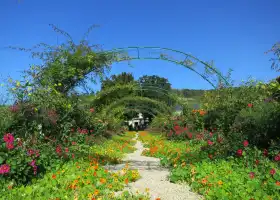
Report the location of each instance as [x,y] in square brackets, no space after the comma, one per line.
[160,106]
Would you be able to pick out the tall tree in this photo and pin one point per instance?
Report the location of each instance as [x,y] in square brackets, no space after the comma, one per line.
[120,79]
[155,87]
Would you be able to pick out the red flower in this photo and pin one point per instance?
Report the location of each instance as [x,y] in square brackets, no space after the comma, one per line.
[66,150]
[211,134]
[210,156]
[210,142]
[265,152]
[72,130]
[91,110]
[251,175]
[257,162]
[9,146]
[8,138]
[73,156]
[74,143]
[272,171]
[177,128]
[91,131]
[250,105]
[189,135]
[58,150]
[245,143]
[239,152]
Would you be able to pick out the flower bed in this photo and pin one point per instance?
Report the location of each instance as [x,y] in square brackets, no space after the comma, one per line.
[84,178]
[247,175]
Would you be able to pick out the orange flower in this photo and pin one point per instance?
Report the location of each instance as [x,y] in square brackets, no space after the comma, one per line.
[157,198]
[54,176]
[204,181]
[96,192]
[95,167]
[126,181]
[277,183]
[102,180]
[94,174]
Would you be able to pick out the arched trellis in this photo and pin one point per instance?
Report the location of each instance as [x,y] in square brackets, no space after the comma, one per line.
[188,61]
[131,88]
[138,107]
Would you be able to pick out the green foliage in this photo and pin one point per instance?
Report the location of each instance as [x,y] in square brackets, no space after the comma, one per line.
[147,83]
[262,117]
[121,79]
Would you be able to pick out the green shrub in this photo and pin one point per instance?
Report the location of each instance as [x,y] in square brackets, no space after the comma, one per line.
[259,124]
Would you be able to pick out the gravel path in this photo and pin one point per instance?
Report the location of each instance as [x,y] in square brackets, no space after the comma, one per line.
[153,177]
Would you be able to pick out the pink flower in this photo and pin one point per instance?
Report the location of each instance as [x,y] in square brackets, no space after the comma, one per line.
[245,143]
[211,134]
[272,171]
[9,146]
[239,152]
[66,150]
[250,105]
[9,138]
[91,110]
[4,169]
[32,163]
[210,142]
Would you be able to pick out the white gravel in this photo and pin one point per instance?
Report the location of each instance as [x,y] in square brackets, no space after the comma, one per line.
[154,177]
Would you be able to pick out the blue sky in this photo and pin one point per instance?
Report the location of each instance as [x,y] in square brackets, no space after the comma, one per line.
[235,34]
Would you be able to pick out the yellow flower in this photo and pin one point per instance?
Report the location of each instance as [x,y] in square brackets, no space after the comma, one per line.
[59,84]
[96,192]
[18,84]
[89,195]
[147,190]
[220,182]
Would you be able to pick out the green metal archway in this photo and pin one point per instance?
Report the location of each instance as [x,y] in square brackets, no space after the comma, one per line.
[208,72]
